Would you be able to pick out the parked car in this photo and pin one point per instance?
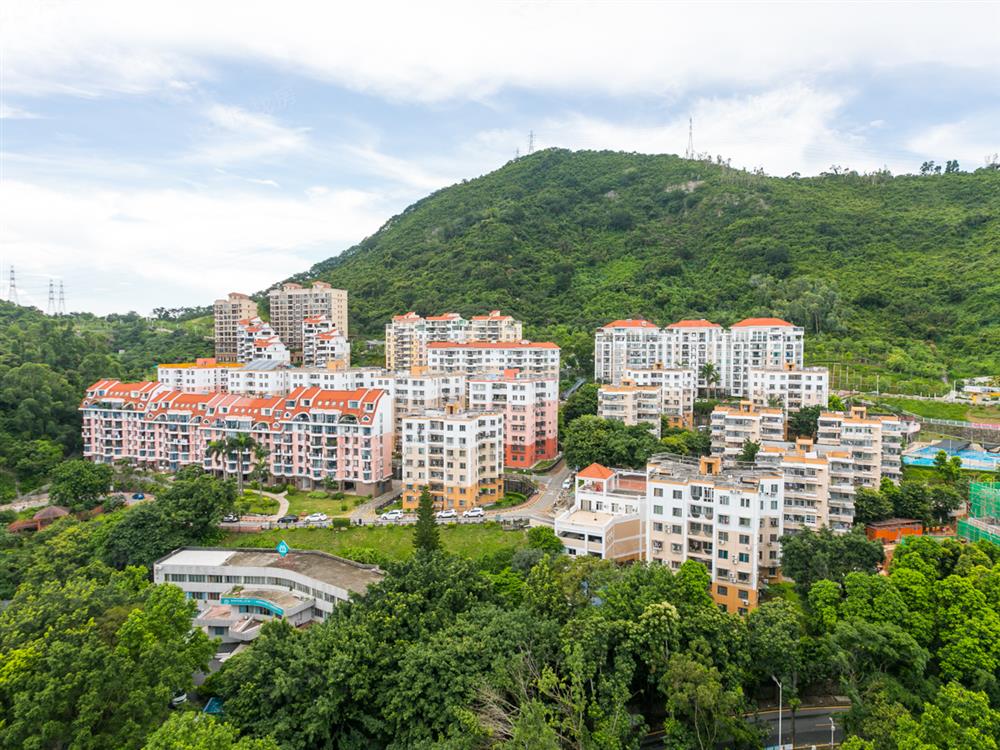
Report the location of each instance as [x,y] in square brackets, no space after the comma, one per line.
[442,515]
[317,518]
[393,515]
[567,483]
[288,519]
[138,496]
[231,518]
[179,699]
[474,513]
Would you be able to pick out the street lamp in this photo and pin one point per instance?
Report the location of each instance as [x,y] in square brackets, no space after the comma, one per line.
[832,727]
[778,683]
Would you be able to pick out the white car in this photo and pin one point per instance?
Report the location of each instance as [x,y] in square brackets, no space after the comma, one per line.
[445,514]
[317,518]
[474,513]
[393,515]
[567,483]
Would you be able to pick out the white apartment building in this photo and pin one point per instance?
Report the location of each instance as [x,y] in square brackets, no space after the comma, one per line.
[631,404]
[227,314]
[238,590]
[449,326]
[678,388]
[607,517]
[322,343]
[293,303]
[494,326]
[691,344]
[729,520]
[405,342]
[259,378]
[790,388]
[630,343]
[271,349]
[539,358]
[204,375]
[248,331]
[761,343]
[874,443]
[733,426]
[456,455]
[419,390]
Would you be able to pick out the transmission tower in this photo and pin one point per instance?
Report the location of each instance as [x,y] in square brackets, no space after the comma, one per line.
[61,306]
[12,288]
[50,308]
[689,153]
[531,141]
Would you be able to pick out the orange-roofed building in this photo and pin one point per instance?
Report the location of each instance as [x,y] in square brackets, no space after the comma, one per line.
[536,358]
[530,405]
[323,343]
[407,336]
[623,344]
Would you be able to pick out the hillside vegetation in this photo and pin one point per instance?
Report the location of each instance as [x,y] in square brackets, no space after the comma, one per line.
[900,273]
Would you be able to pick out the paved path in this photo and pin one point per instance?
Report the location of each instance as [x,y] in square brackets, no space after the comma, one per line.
[368,512]
[540,508]
[32,502]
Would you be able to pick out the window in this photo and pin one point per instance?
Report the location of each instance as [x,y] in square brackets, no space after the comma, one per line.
[723,590]
[678,494]
[657,510]
[723,519]
[723,536]
[676,529]
[723,554]
[678,512]
[744,557]
[657,526]
[723,500]
[744,539]
[657,492]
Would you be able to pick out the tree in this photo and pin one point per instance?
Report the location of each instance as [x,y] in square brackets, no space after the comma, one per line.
[749,452]
[870,505]
[236,448]
[79,484]
[590,439]
[958,719]
[198,731]
[544,538]
[425,534]
[944,501]
[709,374]
[950,469]
[809,556]
[582,401]
[951,167]
[913,501]
[804,422]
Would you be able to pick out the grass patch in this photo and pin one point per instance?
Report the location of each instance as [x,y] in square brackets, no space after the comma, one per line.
[510,500]
[392,542]
[260,505]
[929,409]
[317,501]
[929,475]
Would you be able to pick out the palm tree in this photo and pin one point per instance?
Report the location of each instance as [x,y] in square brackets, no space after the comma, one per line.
[259,467]
[219,448]
[710,374]
[234,447]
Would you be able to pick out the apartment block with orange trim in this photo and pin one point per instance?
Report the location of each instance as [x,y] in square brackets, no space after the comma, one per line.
[495,326]
[227,313]
[678,388]
[696,343]
[456,455]
[537,358]
[292,303]
[311,435]
[629,343]
[790,387]
[251,330]
[323,343]
[874,443]
[733,426]
[407,335]
[761,343]
[631,404]
[727,519]
[204,375]
[607,517]
[530,405]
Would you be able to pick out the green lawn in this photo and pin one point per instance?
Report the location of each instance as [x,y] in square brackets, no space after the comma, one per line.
[510,500]
[929,409]
[260,505]
[392,542]
[317,501]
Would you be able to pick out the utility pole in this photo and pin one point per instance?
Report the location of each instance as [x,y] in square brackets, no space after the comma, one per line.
[832,727]
[780,688]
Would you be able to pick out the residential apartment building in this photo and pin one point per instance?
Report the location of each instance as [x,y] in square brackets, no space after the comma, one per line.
[311,435]
[530,407]
[678,388]
[227,314]
[537,358]
[292,303]
[407,336]
[728,519]
[323,342]
[456,455]
[248,331]
[874,443]
[269,348]
[630,343]
[238,590]
[753,343]
[494,326]
[607,517]
[789,387]
[631,404]
[733,426]
[204,375]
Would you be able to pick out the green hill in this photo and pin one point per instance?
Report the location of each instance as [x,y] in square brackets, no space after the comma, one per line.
[899,273]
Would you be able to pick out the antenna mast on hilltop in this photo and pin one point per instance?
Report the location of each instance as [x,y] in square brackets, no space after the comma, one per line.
[50,308]
[689,153]
[531,141]
[12,288]
[61,306]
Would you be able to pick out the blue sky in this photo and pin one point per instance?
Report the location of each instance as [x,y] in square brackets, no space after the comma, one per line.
[167,153]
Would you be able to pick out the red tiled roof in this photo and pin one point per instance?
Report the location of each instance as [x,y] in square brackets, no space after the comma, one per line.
[761,322]
[410,316]
[444,316]
[595,471]
[493,315]
[492,345]
[630,323]
[699,323]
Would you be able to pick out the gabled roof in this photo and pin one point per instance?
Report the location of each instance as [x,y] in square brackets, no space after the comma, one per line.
[761,323]
[595,471]
[409,317]
[629,323]
[445,316]
[50,512]
[694,323]
[493,315]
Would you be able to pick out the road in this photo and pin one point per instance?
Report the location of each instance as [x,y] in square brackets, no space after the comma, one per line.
[812,726]
[540,508]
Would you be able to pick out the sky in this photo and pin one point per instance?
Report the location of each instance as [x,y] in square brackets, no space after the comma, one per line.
[166,153]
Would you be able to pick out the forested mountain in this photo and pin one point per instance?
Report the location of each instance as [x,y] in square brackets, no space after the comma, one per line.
[897,270]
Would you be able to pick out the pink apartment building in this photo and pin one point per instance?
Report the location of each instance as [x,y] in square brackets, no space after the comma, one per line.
[311,435]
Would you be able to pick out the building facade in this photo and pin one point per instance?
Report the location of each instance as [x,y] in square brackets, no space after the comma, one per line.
[732,427]
[227,313]
[204,375]
[630,343]
[292,303]
[536,358]
[323,343]
[607,517]
[631,404]
[678,388]
[456,455]
[530,407]
[495,326]
[407,336]
[790,388]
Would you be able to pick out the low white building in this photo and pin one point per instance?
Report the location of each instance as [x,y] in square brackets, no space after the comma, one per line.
[204,375]
[790,387]
[238,590]
[606,519]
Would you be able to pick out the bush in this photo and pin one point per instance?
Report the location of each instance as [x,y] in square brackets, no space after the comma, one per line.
[317,495]
[340,523]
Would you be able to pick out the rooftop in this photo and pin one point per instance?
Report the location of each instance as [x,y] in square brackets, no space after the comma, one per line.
[761,323]
[630,323]
[699,323]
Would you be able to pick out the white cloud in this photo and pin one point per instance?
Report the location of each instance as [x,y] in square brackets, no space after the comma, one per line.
[236,135]
[969,140]
[8,112]
[137,249]
[444,50]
